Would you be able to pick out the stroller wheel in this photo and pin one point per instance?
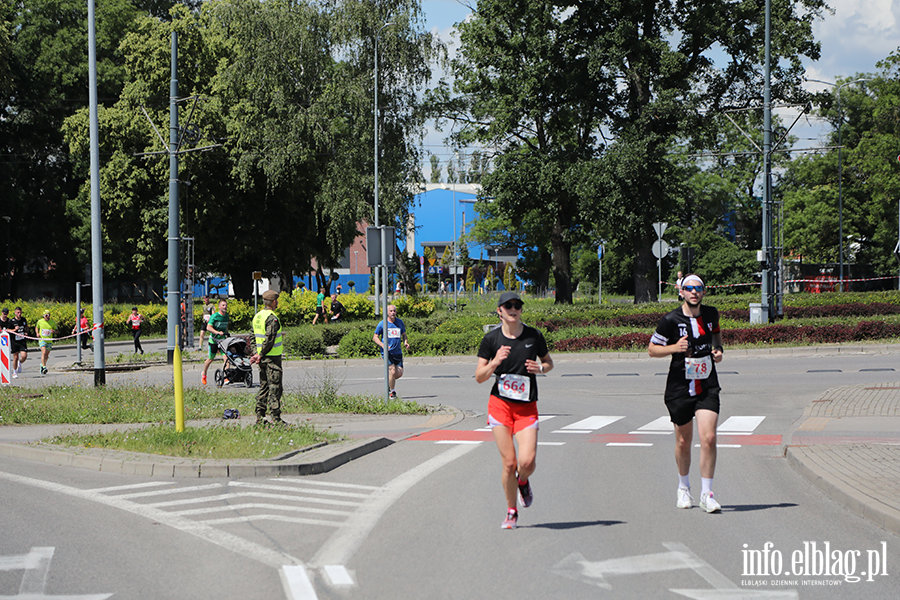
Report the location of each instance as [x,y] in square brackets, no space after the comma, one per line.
[219,377]
[248,380]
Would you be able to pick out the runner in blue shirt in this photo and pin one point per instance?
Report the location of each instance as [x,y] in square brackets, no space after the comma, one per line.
[395,335]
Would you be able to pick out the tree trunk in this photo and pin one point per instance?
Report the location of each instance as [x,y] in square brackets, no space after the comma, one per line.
[562,264]
[645,271]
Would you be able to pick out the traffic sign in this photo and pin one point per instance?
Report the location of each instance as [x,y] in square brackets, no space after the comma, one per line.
[660,229]
[660,248]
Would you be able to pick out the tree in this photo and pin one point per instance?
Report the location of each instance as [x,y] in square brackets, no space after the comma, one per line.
[870,183]
[586,100]
[435,168]
[44,80]
[286,91]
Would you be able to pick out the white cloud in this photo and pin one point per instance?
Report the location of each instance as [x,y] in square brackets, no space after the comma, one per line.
[858,35]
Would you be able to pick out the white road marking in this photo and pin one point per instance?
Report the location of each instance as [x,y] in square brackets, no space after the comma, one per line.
[678,557]
[473,442]
[660,426]
[201,530]
[313,482]
[133,486]
[178,490]
[551,443]
[341,546]
[297,585]
[639,444]
[338,575]
[36,565]
[262,506]
[277,518]
[288,497]
[740,425]
[590,424]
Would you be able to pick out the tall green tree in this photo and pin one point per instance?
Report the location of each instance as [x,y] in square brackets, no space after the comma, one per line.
[866,178]
[285,94]
[585,101]
[43,81]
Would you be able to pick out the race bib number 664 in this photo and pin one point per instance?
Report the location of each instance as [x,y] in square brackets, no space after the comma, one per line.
[514,387]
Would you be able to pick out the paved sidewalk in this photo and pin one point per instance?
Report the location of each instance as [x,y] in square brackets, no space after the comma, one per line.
[364,433]
[848,445]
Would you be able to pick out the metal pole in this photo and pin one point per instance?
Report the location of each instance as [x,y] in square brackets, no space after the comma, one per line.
[840,195]
[767,172]
[78,319]
[96,232]
[600,282]
[174,289]
[384,316]
[455,259]
[377,287]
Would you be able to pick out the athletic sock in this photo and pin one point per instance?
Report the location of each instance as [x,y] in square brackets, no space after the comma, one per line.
[520,481]
[684,481]
[706,485]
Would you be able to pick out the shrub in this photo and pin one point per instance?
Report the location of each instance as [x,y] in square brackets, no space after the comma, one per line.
[358,343]
[410,305]
[304,341]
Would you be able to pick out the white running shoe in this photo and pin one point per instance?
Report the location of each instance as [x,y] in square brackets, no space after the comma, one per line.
[684,498]
[709,504]
[15,374]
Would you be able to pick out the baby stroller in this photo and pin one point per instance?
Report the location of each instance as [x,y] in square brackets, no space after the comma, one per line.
[237,365]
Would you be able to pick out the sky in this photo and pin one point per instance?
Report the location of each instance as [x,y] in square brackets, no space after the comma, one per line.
[854,38]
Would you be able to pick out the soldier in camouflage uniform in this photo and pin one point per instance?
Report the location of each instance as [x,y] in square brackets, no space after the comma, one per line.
[269,350]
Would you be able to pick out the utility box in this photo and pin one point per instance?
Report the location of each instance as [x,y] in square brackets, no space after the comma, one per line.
[759,313]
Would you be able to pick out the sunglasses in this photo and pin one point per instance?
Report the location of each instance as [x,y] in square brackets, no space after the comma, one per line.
[692,288]
[512,305]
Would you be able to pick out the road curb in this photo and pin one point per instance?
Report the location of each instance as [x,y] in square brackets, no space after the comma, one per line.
[803,460]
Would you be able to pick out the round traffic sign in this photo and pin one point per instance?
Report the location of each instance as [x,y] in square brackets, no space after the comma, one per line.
[660,248]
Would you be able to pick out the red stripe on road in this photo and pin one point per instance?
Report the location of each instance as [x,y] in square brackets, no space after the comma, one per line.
[450,435]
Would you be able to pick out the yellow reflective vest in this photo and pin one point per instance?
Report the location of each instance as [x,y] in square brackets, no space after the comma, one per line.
[259,330]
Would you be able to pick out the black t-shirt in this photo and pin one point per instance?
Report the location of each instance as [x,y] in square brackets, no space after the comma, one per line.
[336,308]
[20,326]
[674,326]
[529,345]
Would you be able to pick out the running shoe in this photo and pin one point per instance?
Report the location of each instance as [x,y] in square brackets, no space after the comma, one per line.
[510,522]
[15,374]
[709,504]
[43,370]
[525,495]
[226,382]
[19,369]
[393,395]
[684,499]
[203,380]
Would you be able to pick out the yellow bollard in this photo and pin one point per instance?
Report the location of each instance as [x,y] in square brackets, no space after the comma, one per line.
[179,388]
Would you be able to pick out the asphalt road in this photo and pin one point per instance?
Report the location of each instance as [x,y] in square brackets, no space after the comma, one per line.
[421,518]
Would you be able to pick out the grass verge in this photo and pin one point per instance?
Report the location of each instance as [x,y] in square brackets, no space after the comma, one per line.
[224,441]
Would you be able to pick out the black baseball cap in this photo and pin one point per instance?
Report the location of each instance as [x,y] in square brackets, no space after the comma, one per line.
[506,297]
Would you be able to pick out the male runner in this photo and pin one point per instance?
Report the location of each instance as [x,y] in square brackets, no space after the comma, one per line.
[18,346]
[513,354]
[690,335]
[396,332]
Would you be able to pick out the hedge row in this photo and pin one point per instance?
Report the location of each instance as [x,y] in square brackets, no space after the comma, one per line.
[771,334]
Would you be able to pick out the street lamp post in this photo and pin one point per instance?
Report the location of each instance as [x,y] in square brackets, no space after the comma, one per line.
[377,35]
[840,175]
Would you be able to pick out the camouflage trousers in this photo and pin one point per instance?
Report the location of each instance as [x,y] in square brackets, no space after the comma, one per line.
[270,388]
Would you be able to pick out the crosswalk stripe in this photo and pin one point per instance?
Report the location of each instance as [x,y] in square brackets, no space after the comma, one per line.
[588,425]
[660,426]
[740,425]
